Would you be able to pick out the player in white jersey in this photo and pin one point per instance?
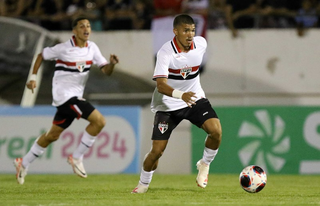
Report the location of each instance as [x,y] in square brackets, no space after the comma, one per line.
[179,96]
[73,61]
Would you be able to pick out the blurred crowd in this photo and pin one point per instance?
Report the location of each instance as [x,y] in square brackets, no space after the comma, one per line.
[139,14]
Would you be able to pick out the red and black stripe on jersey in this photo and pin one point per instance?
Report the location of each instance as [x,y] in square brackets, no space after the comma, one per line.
[175,74]
[70,66]
[71,70]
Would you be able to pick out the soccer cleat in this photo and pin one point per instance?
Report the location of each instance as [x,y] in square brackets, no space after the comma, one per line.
[77,166]
[202,178]
[21,171]
[140,189]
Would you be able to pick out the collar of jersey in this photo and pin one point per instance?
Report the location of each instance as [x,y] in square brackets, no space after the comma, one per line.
[73,42]
[177,46]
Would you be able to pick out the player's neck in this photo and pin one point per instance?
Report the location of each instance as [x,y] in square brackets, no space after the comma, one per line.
[185,49]
[80,43]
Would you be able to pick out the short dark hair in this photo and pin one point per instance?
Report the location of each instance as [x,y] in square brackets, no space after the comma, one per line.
[75,21]
[182,19]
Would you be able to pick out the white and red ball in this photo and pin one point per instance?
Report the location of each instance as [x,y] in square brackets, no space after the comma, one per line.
[253,179]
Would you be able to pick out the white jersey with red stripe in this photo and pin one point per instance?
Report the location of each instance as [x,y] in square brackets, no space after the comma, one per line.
[72,68]
[182,71]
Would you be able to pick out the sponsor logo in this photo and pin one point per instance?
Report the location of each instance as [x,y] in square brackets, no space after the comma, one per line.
[163,127]
[204,113]
[268,141]
[81,66]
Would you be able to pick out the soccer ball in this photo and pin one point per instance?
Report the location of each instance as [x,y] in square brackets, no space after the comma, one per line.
[253,179]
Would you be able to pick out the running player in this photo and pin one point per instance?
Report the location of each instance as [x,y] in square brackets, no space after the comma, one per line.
[179,96]
[73,61]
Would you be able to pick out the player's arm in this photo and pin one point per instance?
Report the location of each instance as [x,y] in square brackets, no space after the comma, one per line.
[108,68]
[164,88]
[32,81]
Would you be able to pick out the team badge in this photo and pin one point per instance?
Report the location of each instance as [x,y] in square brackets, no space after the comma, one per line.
[163,127]
[81,66]
[185,72]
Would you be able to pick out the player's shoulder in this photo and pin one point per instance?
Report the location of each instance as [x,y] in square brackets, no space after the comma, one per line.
[93,45]
[65,44]
[166,48]
[199,40]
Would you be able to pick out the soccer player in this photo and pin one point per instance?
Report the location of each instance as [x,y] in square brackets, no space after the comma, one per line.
[179,96]
[73,61]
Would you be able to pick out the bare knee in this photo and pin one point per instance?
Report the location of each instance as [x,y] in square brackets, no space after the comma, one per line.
[216,135]
[156,153]
[98,123]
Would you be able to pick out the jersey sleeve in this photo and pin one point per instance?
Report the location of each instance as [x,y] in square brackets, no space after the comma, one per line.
[162,65]
[98,59]
[203,41]
[51,53]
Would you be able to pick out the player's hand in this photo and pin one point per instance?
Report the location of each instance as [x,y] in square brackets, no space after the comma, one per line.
[31,85]
[189,98]
[113,59]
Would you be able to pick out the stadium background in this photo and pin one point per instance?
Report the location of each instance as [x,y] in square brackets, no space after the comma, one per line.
[264,85]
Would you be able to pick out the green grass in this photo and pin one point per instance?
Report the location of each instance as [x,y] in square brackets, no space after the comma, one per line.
[63,190]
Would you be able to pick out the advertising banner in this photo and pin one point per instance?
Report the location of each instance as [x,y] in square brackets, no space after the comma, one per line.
[116,149]
[282,140]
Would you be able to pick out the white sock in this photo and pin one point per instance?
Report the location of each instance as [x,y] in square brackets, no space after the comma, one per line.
[34,152]
[87,141]
[209,155]
[145,177]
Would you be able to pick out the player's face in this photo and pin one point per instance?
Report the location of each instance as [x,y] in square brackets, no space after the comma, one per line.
[184,35]
[82,30]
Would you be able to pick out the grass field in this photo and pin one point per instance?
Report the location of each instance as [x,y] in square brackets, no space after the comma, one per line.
[63,190]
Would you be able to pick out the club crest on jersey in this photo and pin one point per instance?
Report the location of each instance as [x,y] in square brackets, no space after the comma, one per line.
[163,127]
[81,66]
[185,72]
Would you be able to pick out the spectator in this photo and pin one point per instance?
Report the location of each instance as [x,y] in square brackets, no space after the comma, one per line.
[94,11]
[16,8]
[220,16]
[277,13]
[119,15]
[143,11]
[74,7]
[242,13]
[52,14]
[306,16]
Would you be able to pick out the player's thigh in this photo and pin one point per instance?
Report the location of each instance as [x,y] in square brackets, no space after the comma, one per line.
[96,117]
[55,130]
[163,125]
[212,126]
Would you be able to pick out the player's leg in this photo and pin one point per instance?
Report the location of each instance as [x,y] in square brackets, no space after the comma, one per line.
[213,128]
[96,124]
[37,149]
[164,123]
[203,115]
[151,160]
[150,164]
